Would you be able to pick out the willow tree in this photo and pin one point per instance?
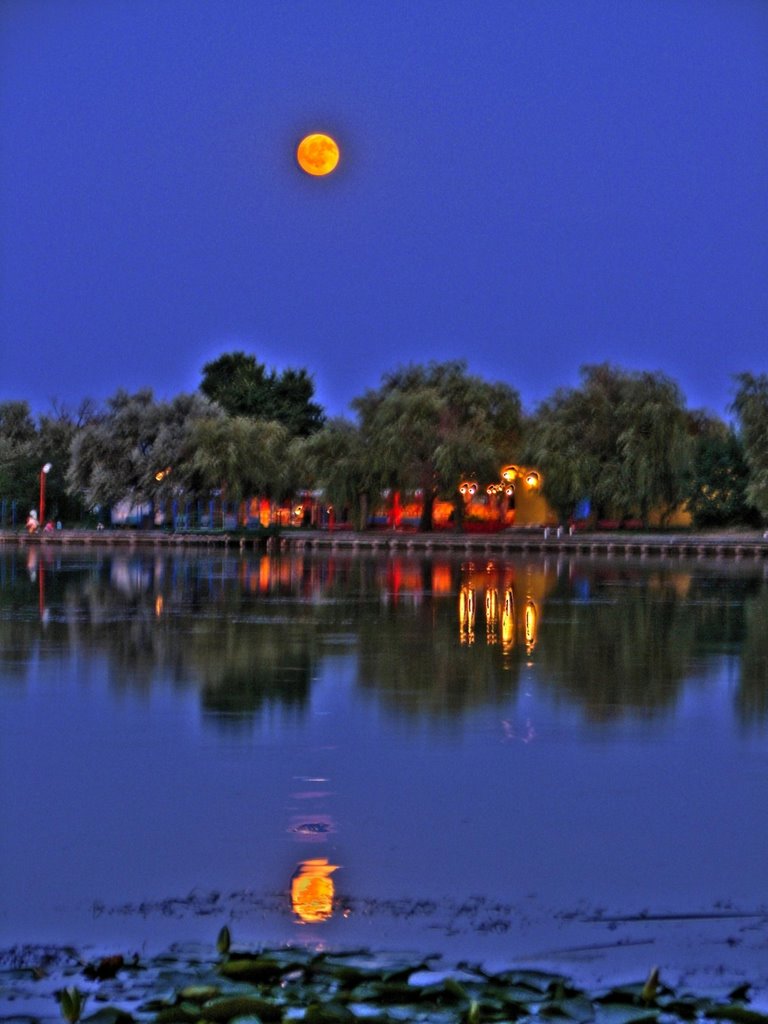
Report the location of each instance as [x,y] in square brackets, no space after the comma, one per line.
[19,460]
[427,427]
[654,446]
[620,440]
[241,457]
[137,448]
[751,407]
[718,493]
[335,460]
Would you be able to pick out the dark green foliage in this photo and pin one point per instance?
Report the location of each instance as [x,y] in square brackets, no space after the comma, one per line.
[430,426]
[18,453]
[244,387]
[719,478]
[751,408]
[26,446]
[119,454]
[620,439]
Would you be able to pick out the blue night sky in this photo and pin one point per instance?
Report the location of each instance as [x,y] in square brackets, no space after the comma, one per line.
[529,185]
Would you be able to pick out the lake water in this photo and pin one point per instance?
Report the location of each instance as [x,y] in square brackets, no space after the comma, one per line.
[551,761]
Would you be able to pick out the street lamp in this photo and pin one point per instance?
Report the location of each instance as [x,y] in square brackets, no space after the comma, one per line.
[43,474]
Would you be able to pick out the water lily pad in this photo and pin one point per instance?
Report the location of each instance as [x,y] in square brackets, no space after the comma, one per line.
[577,1008]
[737,1012]
[329,1013]
[259,970]
[425,978]
[198,993]
[109,1015]
[225,1008]
[624,1013]
[539,982]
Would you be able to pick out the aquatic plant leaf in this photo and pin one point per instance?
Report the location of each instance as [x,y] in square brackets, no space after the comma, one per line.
[386,993]
[109,1015]
[178,1014]
[198,993]
[624,1013]
[424,978]
[740,994]
[684,1007]
[224,1008]
[651,986]
[384,966]
[105,968]
[737,1012]
[635,992]
[520,996]
[577,1008]
[72,1003]
[223,941]
[329,1013]
[260,970]
[539,982]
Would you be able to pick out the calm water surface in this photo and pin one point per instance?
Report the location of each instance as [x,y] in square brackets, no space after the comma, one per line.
[389,751]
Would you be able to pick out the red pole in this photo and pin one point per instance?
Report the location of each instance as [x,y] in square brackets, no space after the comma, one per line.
[43,473]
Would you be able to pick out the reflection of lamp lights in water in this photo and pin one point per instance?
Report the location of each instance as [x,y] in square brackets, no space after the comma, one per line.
[491,613]
[531,621]
[508,620]
[467,613]
[312,890]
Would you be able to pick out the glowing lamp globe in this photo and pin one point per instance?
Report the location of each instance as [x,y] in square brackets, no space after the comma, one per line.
[318,154]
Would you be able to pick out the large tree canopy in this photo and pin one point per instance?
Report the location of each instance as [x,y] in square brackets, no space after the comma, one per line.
[429,426]
[751,408]
[18,459]
[126,451]
[620,440]
[243,387]
[336,460]
[240,457]
[718,494]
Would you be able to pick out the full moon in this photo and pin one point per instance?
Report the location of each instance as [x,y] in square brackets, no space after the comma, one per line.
[317,154]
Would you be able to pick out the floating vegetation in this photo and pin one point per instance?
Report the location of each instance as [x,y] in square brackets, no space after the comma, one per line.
[296,984]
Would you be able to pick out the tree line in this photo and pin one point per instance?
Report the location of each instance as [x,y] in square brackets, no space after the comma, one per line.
[623,441]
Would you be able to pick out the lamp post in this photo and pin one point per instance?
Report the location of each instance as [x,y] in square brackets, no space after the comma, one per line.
[43,474]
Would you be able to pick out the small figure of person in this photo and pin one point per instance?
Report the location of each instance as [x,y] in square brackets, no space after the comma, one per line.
[32,524]
[48,528]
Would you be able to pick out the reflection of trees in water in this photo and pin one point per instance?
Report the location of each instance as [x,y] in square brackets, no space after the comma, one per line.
[415,662]
[752,695]
[627,643]
[614,658]
[163,617]
[244,668]
[121,623]
[250,631]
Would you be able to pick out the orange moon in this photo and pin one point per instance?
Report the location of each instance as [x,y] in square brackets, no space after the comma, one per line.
[317,154]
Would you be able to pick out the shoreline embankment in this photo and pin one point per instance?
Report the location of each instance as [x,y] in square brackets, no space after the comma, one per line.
[737,546]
